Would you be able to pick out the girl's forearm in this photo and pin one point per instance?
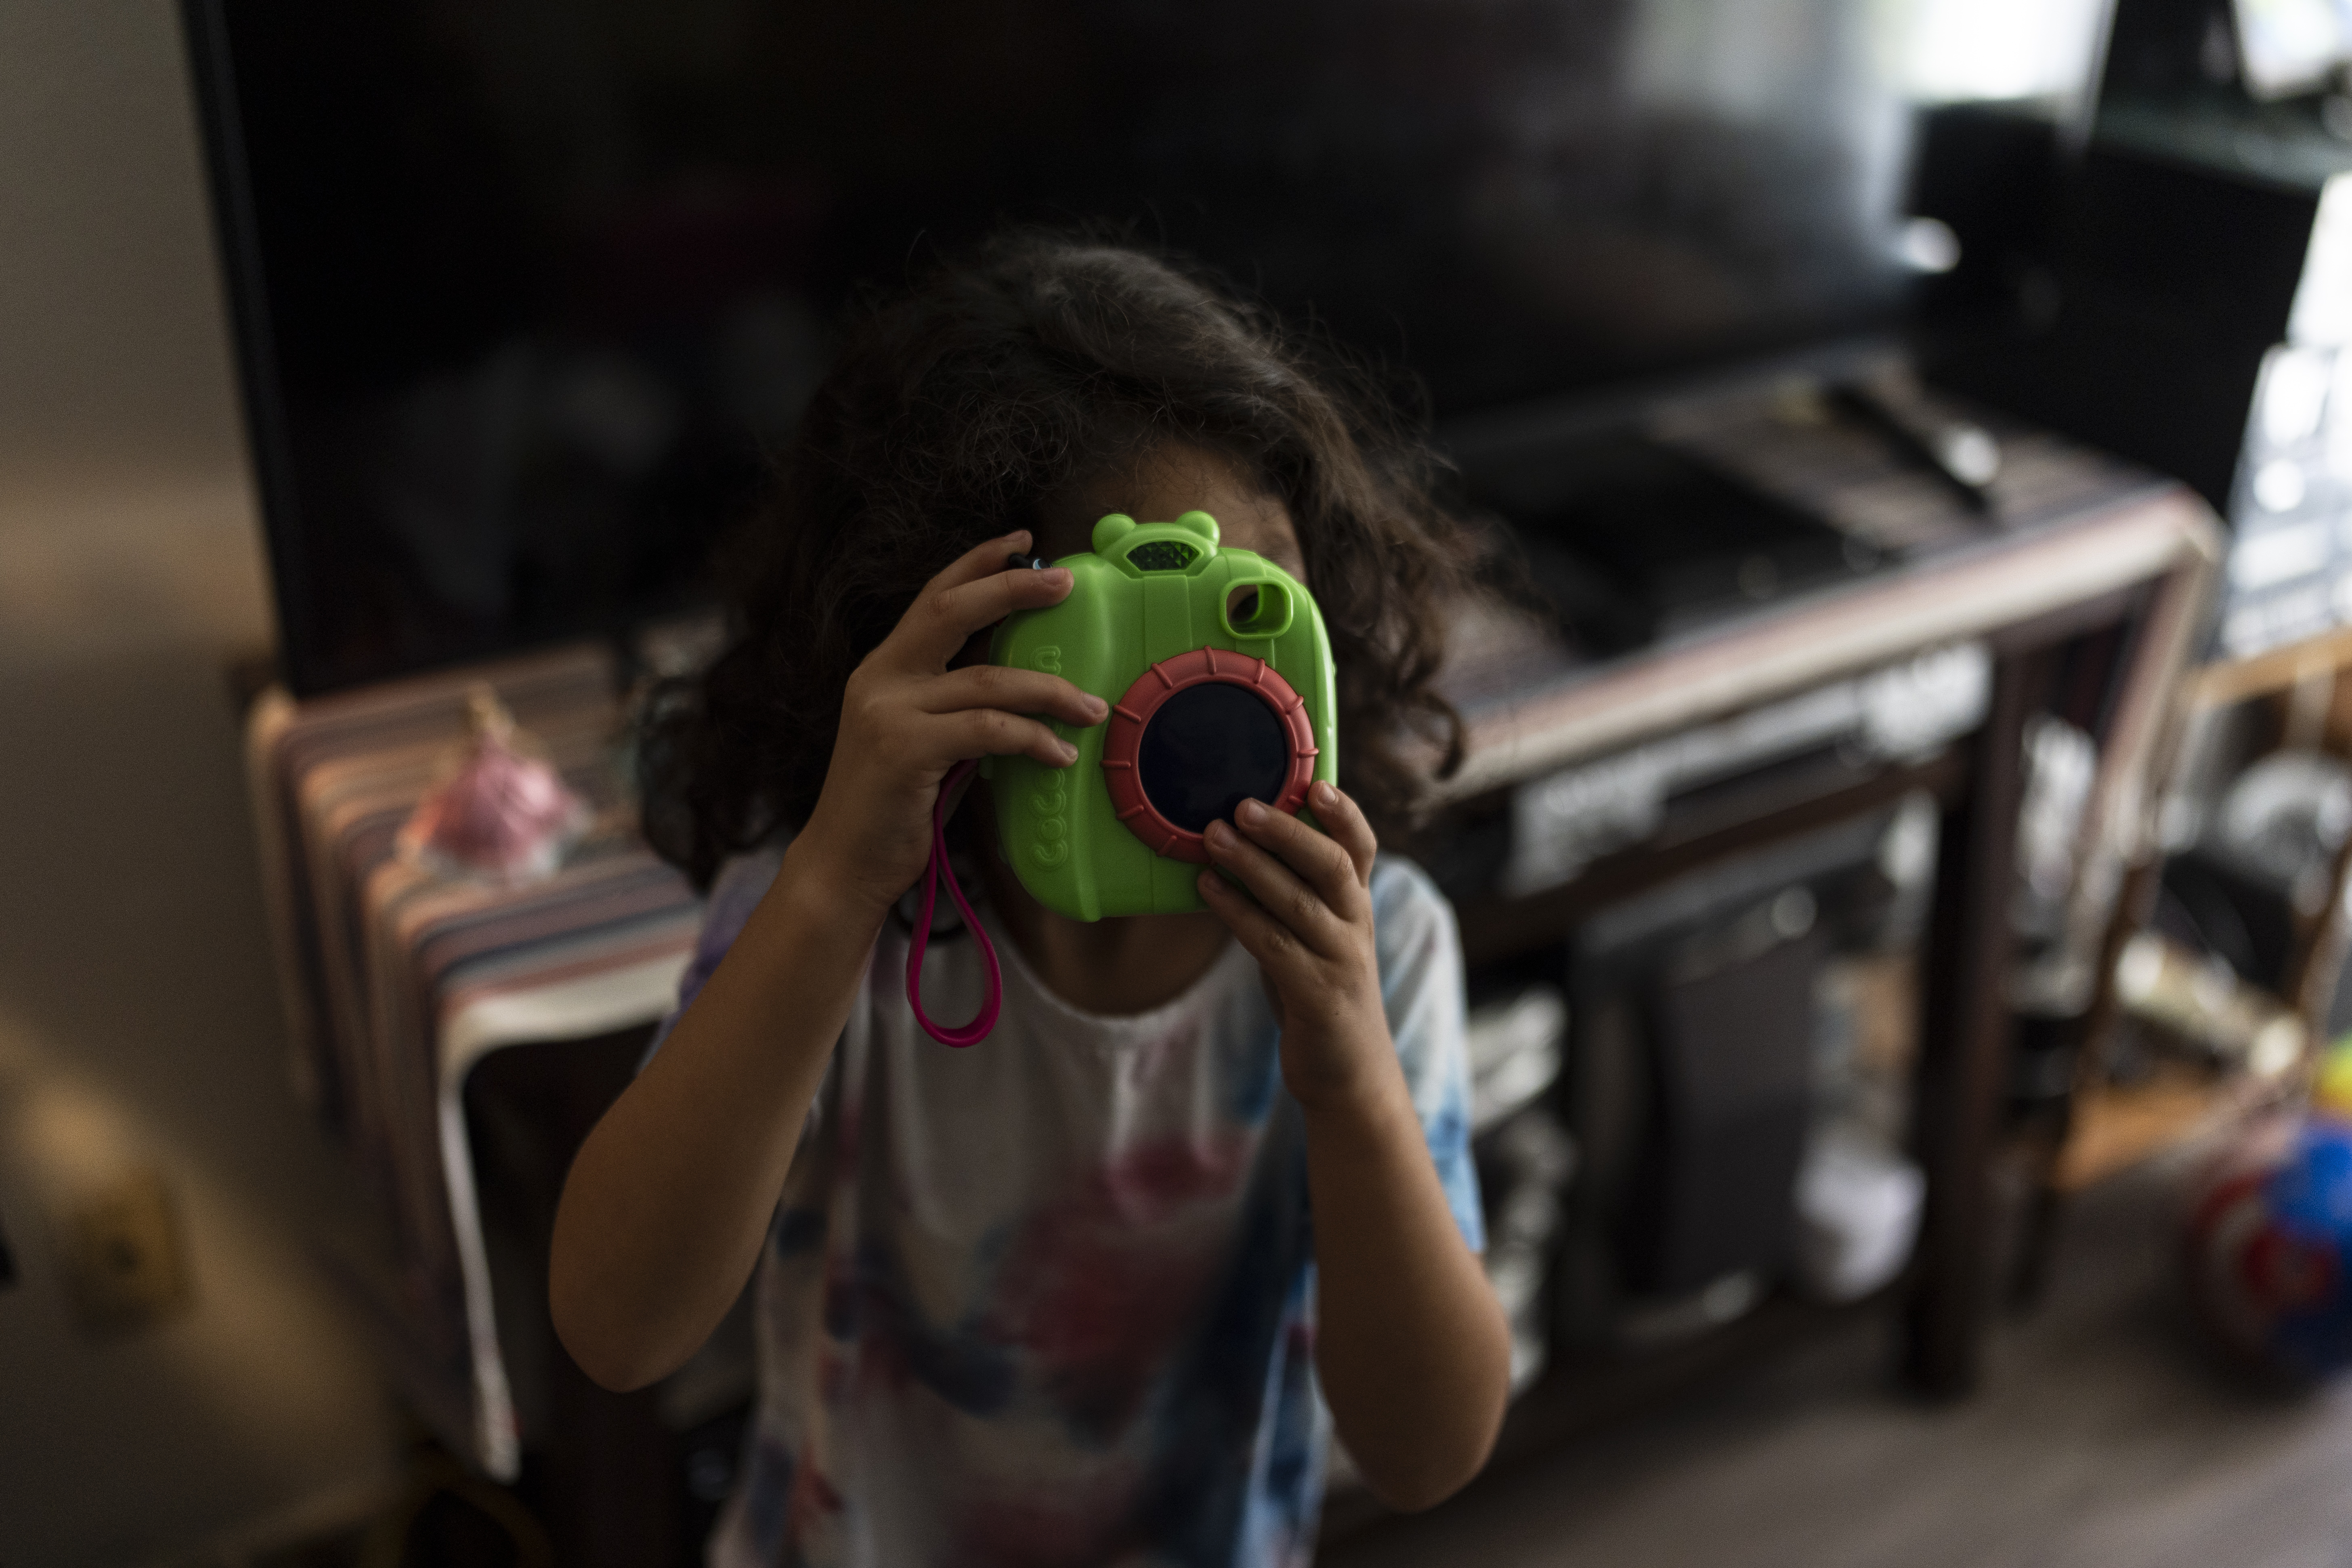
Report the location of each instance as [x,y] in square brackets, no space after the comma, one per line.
[665,1209]
[1411,1347]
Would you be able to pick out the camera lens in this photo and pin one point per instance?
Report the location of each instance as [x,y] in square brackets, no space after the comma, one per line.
[1207,749]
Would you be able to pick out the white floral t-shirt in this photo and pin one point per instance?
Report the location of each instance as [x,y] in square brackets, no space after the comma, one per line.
[1049,1299]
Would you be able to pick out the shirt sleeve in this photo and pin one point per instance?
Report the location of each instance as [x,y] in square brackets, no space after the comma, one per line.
[1420,950]
[742,883]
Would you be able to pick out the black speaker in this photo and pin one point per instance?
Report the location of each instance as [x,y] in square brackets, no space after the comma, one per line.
[1730,1052]
[2168,277]
[1689,1083]
[1989,172]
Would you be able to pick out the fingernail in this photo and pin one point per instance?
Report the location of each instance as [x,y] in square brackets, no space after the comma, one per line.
[1251,811]
[1324,793]
[1069,753]
[1207,881]
[1096,706]
[1219,834]
[1059,576]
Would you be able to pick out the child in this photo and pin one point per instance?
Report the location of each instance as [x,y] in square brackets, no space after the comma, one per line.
[1067,1297]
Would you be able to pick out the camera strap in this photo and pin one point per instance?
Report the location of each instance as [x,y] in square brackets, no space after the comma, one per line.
[993,999]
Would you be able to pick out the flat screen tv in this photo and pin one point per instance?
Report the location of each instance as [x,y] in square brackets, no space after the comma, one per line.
[524,290]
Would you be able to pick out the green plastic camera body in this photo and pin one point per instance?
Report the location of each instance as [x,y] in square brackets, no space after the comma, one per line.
[1219,673]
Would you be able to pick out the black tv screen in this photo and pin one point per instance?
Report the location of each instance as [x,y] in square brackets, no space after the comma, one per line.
[524,290]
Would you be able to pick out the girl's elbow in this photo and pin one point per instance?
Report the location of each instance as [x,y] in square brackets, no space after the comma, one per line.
[611,1363]
[1412,1498]
[1436,1471]
[1431,1478]
[622,1377]
[612,1357]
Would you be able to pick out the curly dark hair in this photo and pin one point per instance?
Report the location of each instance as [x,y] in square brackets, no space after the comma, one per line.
[1036,364]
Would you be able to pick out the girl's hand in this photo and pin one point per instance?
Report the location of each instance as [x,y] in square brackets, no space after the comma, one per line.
[1310,929]
[907,718]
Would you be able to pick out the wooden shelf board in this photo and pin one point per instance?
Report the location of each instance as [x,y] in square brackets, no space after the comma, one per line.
[1495,928]
[2235,679]
[2116,1127]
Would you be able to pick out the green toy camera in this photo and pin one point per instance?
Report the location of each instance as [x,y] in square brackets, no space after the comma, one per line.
[1218,672]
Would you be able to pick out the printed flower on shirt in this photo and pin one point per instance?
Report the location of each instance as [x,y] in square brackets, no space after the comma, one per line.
[1101,1284]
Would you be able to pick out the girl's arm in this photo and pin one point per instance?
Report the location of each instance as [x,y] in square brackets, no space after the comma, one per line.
[663,1214]
[1411,1346]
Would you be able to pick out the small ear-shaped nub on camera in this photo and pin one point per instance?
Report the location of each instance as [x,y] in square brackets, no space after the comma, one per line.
[1201,523]
[1113,527]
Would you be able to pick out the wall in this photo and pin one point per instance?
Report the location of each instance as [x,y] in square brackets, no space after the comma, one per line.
[138,1019]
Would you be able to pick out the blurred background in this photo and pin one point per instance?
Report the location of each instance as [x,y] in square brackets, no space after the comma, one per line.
[1902,852]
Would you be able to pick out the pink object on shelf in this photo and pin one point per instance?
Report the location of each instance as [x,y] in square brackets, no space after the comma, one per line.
[501,810]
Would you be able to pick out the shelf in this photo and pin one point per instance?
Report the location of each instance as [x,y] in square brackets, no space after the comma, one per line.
[2233,680]
[1495,928]
[2115,1127]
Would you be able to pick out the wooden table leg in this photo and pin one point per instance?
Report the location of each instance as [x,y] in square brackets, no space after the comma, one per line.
[597,1465]
[2094,1033]
[1963,1034]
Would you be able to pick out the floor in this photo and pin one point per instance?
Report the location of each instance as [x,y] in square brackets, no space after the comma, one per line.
[2102,1437]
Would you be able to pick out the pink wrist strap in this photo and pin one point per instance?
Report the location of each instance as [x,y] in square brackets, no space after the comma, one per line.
[985,1019]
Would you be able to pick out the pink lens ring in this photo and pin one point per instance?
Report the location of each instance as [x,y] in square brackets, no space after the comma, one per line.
[1130,716]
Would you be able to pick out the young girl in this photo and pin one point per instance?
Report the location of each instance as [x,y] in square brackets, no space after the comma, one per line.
[1067,1297]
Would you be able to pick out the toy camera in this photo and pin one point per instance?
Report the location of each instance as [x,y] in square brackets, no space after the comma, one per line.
[1218,672]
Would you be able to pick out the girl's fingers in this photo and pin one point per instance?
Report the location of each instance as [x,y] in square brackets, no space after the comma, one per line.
[974,594]
[1265,939]
[1344,820]
[952,738]
[1277,889]
[1319,861]
[982,560]
[1015,691]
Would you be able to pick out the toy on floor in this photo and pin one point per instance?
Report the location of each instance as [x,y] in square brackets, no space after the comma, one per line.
[2269,1237]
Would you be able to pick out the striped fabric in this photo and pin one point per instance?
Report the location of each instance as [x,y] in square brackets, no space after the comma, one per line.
[398,981]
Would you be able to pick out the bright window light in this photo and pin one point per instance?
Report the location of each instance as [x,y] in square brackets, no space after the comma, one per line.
[1965,49]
